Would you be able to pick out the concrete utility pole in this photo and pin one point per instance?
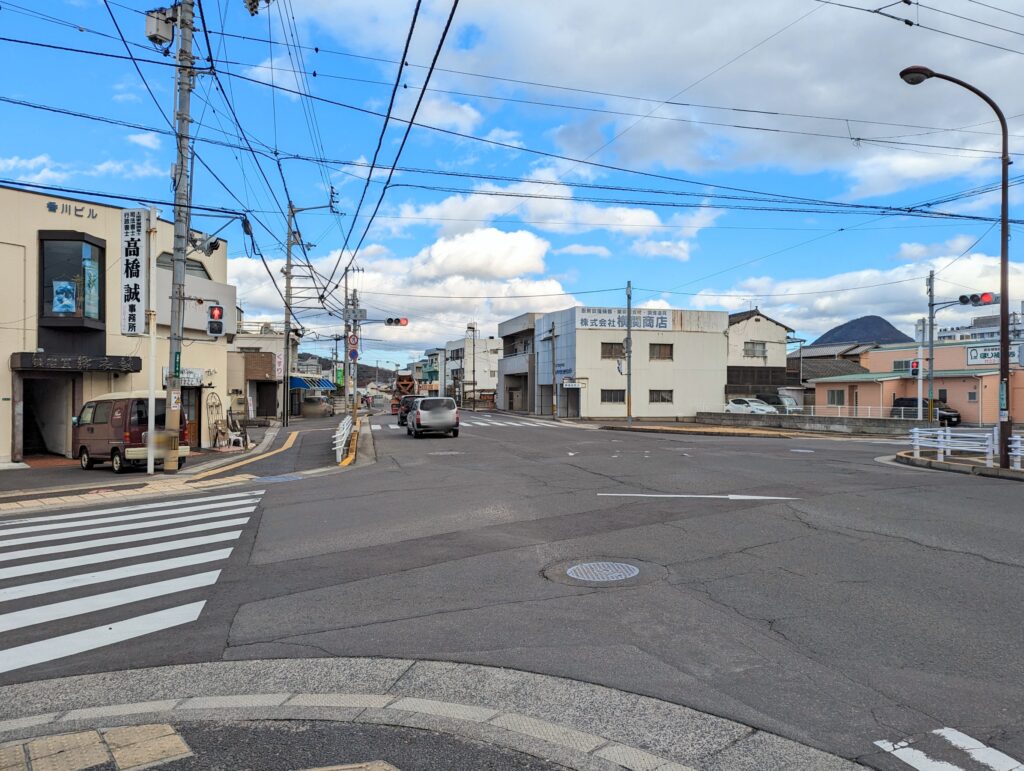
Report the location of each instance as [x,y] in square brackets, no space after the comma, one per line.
[920,382]
[931,345]
[355,362]
[151,319]
[348,331]
[629,354]
[286,382]
[554,388]
[185,80]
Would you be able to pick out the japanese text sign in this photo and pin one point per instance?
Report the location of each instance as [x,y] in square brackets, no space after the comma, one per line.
[134,270]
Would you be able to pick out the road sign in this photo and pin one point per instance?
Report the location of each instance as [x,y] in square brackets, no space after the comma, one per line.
[353,354]
[354,314]
[353,340]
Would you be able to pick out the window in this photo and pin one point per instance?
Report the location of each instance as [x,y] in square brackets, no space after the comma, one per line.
[613,351]
[494,372]
[755,349]
[972,396]
[661,352]
[249,349]
[659,396]
[102,413]
[901,365]
[192,267]
[87,411]
[942,395]
[613,396]
[836,397]
[72,275]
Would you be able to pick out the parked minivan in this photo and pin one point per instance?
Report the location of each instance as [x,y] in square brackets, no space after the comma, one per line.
[783,403]
[906,407]
[112,429]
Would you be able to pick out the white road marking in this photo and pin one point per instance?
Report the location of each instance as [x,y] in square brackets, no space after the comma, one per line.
[141,507]
[393,426]
[98,542]
[97,637]
[801,450]
[58,610]
[571,453]
[916,758]
[122,528]
[114,574]
[155,515]
[682,495]
[117,554]
[982,753]
[376,427]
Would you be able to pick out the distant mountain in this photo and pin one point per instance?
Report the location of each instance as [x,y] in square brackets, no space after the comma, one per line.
[866,329]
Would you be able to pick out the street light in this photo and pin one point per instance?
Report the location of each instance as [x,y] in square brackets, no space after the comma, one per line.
[913,76]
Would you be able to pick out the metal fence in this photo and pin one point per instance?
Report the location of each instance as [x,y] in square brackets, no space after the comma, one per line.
[835,411]
[341,438]
[946,442]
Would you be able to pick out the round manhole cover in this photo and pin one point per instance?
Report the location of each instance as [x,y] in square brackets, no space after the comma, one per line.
[602,571]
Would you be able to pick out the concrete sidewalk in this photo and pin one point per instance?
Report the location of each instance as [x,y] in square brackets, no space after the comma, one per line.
[573,724]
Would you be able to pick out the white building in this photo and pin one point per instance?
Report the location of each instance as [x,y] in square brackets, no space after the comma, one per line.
[471,368]
[981,328]
[679,362]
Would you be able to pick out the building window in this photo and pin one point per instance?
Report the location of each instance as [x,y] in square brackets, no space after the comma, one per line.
[753,349]
[972,396]
[72,275]
[942,395]
[613,396]
[613,351]
[901,365]
[249,349]
[660,396]
[661,352]
[836,397]
[192,267]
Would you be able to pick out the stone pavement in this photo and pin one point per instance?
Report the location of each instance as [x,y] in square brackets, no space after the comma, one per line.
[573,724]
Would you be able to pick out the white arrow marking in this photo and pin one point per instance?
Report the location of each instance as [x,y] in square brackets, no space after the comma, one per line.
[916,758]
[683,495]
[571,453]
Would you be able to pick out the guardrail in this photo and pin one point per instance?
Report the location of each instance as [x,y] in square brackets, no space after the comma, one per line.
[341,438]
[946,442]
[834,411]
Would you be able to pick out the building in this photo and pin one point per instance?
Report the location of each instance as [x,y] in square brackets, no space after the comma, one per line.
[431,383]
[966,378]
[471,369]
[680,360]
[757,354]
[517,377]
[980,328]
[257,367]
[62,341]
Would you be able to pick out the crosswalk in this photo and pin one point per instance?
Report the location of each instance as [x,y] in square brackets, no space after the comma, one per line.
[59,573]
[482,422]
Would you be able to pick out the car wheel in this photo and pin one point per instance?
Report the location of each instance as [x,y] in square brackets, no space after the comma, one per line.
[408,431]
[85,459]
[181,463]
[455,433]
[116,462]
[417,434]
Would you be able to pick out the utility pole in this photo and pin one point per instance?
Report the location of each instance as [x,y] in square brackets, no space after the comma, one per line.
[151,318]
[474,365]
[931,344]
[355,362]
[629,354]
[286,383]
[554,388]
[185,80]
[348,331]
[920,353]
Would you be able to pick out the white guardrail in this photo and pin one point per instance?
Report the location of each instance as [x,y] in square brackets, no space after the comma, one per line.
[836,411]
[946,442]
[341,437]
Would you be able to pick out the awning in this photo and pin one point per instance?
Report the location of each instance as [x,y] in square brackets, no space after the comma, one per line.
[308,383]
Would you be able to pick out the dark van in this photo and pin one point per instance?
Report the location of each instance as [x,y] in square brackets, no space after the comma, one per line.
[112,429]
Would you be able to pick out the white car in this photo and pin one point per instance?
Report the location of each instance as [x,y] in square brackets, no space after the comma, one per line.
[750,407]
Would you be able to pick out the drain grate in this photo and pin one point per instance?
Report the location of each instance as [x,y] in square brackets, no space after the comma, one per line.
[602,571]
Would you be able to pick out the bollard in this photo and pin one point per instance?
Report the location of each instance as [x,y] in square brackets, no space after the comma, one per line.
[989,445]
[916,438]
[941,445]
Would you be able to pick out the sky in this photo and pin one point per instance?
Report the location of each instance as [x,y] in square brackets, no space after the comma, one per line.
[718,156]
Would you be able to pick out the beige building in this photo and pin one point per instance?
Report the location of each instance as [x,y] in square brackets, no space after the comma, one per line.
[679,362]
[60,336]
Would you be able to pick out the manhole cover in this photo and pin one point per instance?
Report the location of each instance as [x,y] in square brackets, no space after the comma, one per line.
[602,571]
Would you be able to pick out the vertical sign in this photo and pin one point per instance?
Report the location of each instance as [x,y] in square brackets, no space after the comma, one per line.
[134,270]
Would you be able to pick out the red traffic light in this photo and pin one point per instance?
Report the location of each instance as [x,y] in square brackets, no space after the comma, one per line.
[913,364]
[396,322]
[987,297]
[216,313]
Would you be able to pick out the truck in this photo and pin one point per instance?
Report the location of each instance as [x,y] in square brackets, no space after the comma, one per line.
[405,385]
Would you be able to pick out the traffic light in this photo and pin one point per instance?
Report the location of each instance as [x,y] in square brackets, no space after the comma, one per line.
[982,298]
[215,321]
[915,368]
[396,322]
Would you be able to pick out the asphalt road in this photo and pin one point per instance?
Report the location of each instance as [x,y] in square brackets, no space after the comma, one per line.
[833,599]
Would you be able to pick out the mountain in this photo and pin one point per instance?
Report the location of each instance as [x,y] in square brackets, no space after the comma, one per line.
[866,329]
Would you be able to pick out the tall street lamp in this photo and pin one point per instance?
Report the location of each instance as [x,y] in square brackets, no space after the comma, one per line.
[914,76]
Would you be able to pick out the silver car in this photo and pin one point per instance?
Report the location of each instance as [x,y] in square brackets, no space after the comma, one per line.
[434,414]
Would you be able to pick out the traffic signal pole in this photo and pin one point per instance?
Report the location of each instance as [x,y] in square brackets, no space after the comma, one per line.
[931,344]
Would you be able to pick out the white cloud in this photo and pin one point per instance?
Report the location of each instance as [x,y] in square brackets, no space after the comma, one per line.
[505,136]
[445,113]
[278,72]
[126,169]
[585,250]
[484,253]
[655,304]
[40,169]
[678,250]
[147,139]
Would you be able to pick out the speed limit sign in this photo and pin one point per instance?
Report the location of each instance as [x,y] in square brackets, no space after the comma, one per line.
[353,341]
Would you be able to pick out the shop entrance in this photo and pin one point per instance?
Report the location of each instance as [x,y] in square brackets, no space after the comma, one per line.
[266,399]
[46,428]
[190,401]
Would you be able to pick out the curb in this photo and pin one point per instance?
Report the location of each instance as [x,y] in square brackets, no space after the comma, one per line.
[907,458]
[353,443]
[697,432]
[578,725]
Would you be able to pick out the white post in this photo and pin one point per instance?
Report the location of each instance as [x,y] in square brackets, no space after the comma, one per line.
[151,405]
[940,444]
[989,444]
[915,438]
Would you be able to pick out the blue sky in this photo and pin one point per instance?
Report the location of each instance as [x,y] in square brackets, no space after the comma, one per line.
[723,108]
